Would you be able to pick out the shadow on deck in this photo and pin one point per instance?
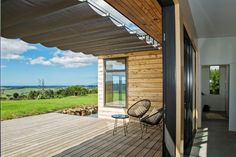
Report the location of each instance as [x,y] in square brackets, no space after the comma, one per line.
[119,145]
[55,134]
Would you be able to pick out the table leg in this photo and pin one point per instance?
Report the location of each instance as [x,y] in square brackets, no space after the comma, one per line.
[115,126]
[124,125]
[127,124]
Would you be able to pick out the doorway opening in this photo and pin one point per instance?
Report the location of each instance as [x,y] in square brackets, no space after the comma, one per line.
[215,110]
[215,92]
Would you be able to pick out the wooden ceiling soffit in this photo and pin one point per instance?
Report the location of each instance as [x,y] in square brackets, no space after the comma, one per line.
[146,14]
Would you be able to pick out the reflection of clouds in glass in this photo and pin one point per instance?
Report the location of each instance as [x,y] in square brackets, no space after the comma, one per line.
[115,65]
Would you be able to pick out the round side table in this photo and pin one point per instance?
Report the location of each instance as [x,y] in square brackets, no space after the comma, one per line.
[122,117]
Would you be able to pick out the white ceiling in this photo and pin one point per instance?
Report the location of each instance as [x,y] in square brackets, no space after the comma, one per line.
[214,18]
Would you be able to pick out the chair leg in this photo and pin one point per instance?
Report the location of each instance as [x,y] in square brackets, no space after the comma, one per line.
[144,126]
[142,130]
[140,124]
[160,126]
[128,124]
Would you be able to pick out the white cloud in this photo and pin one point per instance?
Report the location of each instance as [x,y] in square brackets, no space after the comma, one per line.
[71,59]
[67,59]
[14,48]
[40,60]
[3,66]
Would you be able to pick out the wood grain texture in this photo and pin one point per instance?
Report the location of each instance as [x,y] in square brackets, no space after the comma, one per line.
[147,14]
[144,78]
[143,73]
[67,135]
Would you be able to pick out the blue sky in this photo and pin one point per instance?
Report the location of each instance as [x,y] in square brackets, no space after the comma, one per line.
[25,64]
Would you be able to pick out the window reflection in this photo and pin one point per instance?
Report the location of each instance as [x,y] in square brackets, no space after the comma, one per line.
[115,83]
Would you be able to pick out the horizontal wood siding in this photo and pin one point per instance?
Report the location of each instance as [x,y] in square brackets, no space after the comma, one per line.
[144,80]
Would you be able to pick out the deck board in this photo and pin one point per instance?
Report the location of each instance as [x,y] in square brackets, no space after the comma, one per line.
[63,135]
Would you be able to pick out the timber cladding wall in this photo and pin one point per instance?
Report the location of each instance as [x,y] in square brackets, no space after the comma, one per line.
[144,79]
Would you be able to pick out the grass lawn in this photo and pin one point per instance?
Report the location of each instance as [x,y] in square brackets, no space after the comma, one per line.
[13,109]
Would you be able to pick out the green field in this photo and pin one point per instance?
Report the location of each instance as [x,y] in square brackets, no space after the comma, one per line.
[19,108]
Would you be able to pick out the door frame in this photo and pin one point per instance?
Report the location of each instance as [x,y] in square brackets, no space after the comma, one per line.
[173,78]
[169,77]
[227,67]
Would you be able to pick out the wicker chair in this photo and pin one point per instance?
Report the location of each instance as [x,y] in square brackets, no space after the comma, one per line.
[139,109]
[154,118]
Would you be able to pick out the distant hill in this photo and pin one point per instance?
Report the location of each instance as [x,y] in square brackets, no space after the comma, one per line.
[52,86]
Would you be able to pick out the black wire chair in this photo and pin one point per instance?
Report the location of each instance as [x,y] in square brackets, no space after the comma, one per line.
[139,109]
[154,118]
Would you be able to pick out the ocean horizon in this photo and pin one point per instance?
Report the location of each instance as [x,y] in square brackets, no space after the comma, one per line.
[45,86]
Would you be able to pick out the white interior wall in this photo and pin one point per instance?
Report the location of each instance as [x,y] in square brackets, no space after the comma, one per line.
[223,91]
[227,89]
[216,51]
[232,98]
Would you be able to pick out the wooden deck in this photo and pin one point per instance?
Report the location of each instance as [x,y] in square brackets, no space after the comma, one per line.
[59,135]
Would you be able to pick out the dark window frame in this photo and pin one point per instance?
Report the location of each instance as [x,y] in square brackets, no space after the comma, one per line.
[126,82]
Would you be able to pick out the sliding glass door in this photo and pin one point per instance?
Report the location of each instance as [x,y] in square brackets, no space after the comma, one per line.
[189,104]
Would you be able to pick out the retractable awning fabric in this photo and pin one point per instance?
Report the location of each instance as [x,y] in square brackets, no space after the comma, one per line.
[67,25]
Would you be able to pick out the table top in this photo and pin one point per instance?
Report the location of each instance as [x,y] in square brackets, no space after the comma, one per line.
[120,116]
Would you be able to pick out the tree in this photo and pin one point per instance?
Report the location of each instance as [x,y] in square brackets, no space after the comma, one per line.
[83,91]
[59,93]
[33,94]
[50,93]
[74,90]
[22,96]
[15,95]
[215,81]
[93,90]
